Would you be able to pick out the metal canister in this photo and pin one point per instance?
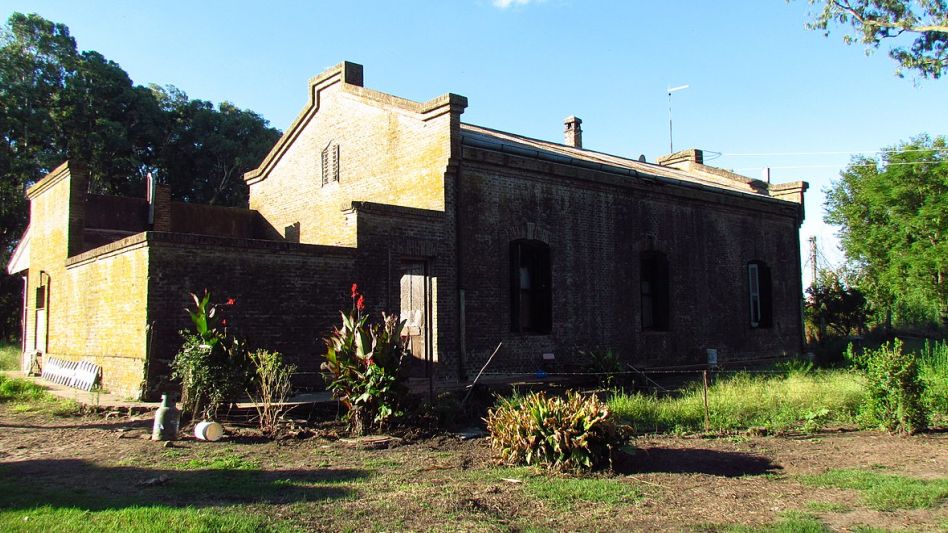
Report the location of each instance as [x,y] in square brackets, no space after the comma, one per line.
[167,418]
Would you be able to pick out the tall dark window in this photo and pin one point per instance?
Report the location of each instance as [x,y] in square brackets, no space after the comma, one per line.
[531,301]
[654,284]
[761,294]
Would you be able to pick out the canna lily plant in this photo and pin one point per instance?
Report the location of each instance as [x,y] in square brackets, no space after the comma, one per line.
[363,367]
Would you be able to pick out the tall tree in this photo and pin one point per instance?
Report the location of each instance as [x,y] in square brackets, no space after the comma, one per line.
[893,219]
[206,150]
[58,104]
[919,28]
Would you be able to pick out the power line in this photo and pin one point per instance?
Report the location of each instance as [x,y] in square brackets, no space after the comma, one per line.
[785,167]
[773,154]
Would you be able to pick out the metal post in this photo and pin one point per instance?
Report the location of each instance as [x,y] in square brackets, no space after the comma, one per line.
[707,414]
[671,145]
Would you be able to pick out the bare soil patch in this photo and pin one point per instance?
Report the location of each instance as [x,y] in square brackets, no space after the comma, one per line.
[316,481]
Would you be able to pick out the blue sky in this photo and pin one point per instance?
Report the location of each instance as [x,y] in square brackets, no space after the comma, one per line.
[759,82]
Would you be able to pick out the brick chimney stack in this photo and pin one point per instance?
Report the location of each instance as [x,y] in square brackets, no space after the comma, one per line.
[573,134]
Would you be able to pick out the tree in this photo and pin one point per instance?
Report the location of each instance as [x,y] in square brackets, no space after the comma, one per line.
[836,305]
[57,104]
[922,22]
[206,150]
[893,219]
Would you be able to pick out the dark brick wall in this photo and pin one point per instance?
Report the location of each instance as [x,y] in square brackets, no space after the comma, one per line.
[389,235]
[288,295]
[597,229]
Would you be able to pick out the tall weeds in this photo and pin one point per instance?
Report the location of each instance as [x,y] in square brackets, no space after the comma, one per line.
[797,399]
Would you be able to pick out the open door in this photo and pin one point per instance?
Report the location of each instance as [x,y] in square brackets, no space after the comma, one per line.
[415,310]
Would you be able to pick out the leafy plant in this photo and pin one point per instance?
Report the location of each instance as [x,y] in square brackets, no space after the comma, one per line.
[363,367]
[271,387]
[894,398]
[605,363]
[570,434]
[212,365]
[933,371]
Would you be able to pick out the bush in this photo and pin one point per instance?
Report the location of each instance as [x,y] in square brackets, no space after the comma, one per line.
[571,434]
[933,371]
[271,387]
[212,365]
[363,367]
[894,398]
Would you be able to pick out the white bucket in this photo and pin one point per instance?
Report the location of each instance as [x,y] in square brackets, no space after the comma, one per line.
[208,430]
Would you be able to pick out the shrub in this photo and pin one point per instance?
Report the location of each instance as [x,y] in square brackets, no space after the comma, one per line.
[212,365]
[571,434]
[933,371]
[604,363]
[363,367]
[271,387]
[894,398]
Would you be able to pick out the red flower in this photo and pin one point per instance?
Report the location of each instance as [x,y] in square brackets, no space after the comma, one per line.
[231,301]
[360,303]
[224,322]
[355,290]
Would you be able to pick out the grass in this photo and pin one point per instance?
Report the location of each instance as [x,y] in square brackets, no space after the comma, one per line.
[568,492]
[135,519]
[796,399]
[9,356]
[28,397]
[884,492]
[828,507]
[790,522]
[231,462]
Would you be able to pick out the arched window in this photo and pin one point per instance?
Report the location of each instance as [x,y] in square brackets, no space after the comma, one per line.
[531,301]
[761,294]
[654,286]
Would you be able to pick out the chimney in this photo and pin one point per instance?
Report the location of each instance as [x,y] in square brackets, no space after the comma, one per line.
[573,134]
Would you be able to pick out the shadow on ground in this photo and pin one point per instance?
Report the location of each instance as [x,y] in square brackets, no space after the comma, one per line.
[695,461]
[84,485]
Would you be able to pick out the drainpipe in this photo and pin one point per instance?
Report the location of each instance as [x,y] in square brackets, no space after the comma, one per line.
[462,342]
[24,362]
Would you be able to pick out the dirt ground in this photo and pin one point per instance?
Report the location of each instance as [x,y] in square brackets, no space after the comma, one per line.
[443,483]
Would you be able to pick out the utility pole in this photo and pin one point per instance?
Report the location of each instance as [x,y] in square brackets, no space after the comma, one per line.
[813,254]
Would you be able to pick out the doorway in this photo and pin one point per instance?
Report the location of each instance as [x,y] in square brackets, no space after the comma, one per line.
[415,310]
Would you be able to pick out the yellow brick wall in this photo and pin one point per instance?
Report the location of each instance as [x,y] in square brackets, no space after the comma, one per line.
[96,305]
[391,151]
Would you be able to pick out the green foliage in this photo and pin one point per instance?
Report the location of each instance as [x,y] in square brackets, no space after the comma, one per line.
[604,362]
[20,390]
[9,356]
[569,434]
[885,492]
[57,103]
[892,218]
[363,367]
[796,400]
[933,371]
[270,387]
[213,366]
[874,21]
[894,398]
[833,305]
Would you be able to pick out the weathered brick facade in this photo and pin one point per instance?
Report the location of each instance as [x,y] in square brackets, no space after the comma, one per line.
[477,236]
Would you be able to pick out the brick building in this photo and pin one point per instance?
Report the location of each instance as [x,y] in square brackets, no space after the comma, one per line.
[474,235]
